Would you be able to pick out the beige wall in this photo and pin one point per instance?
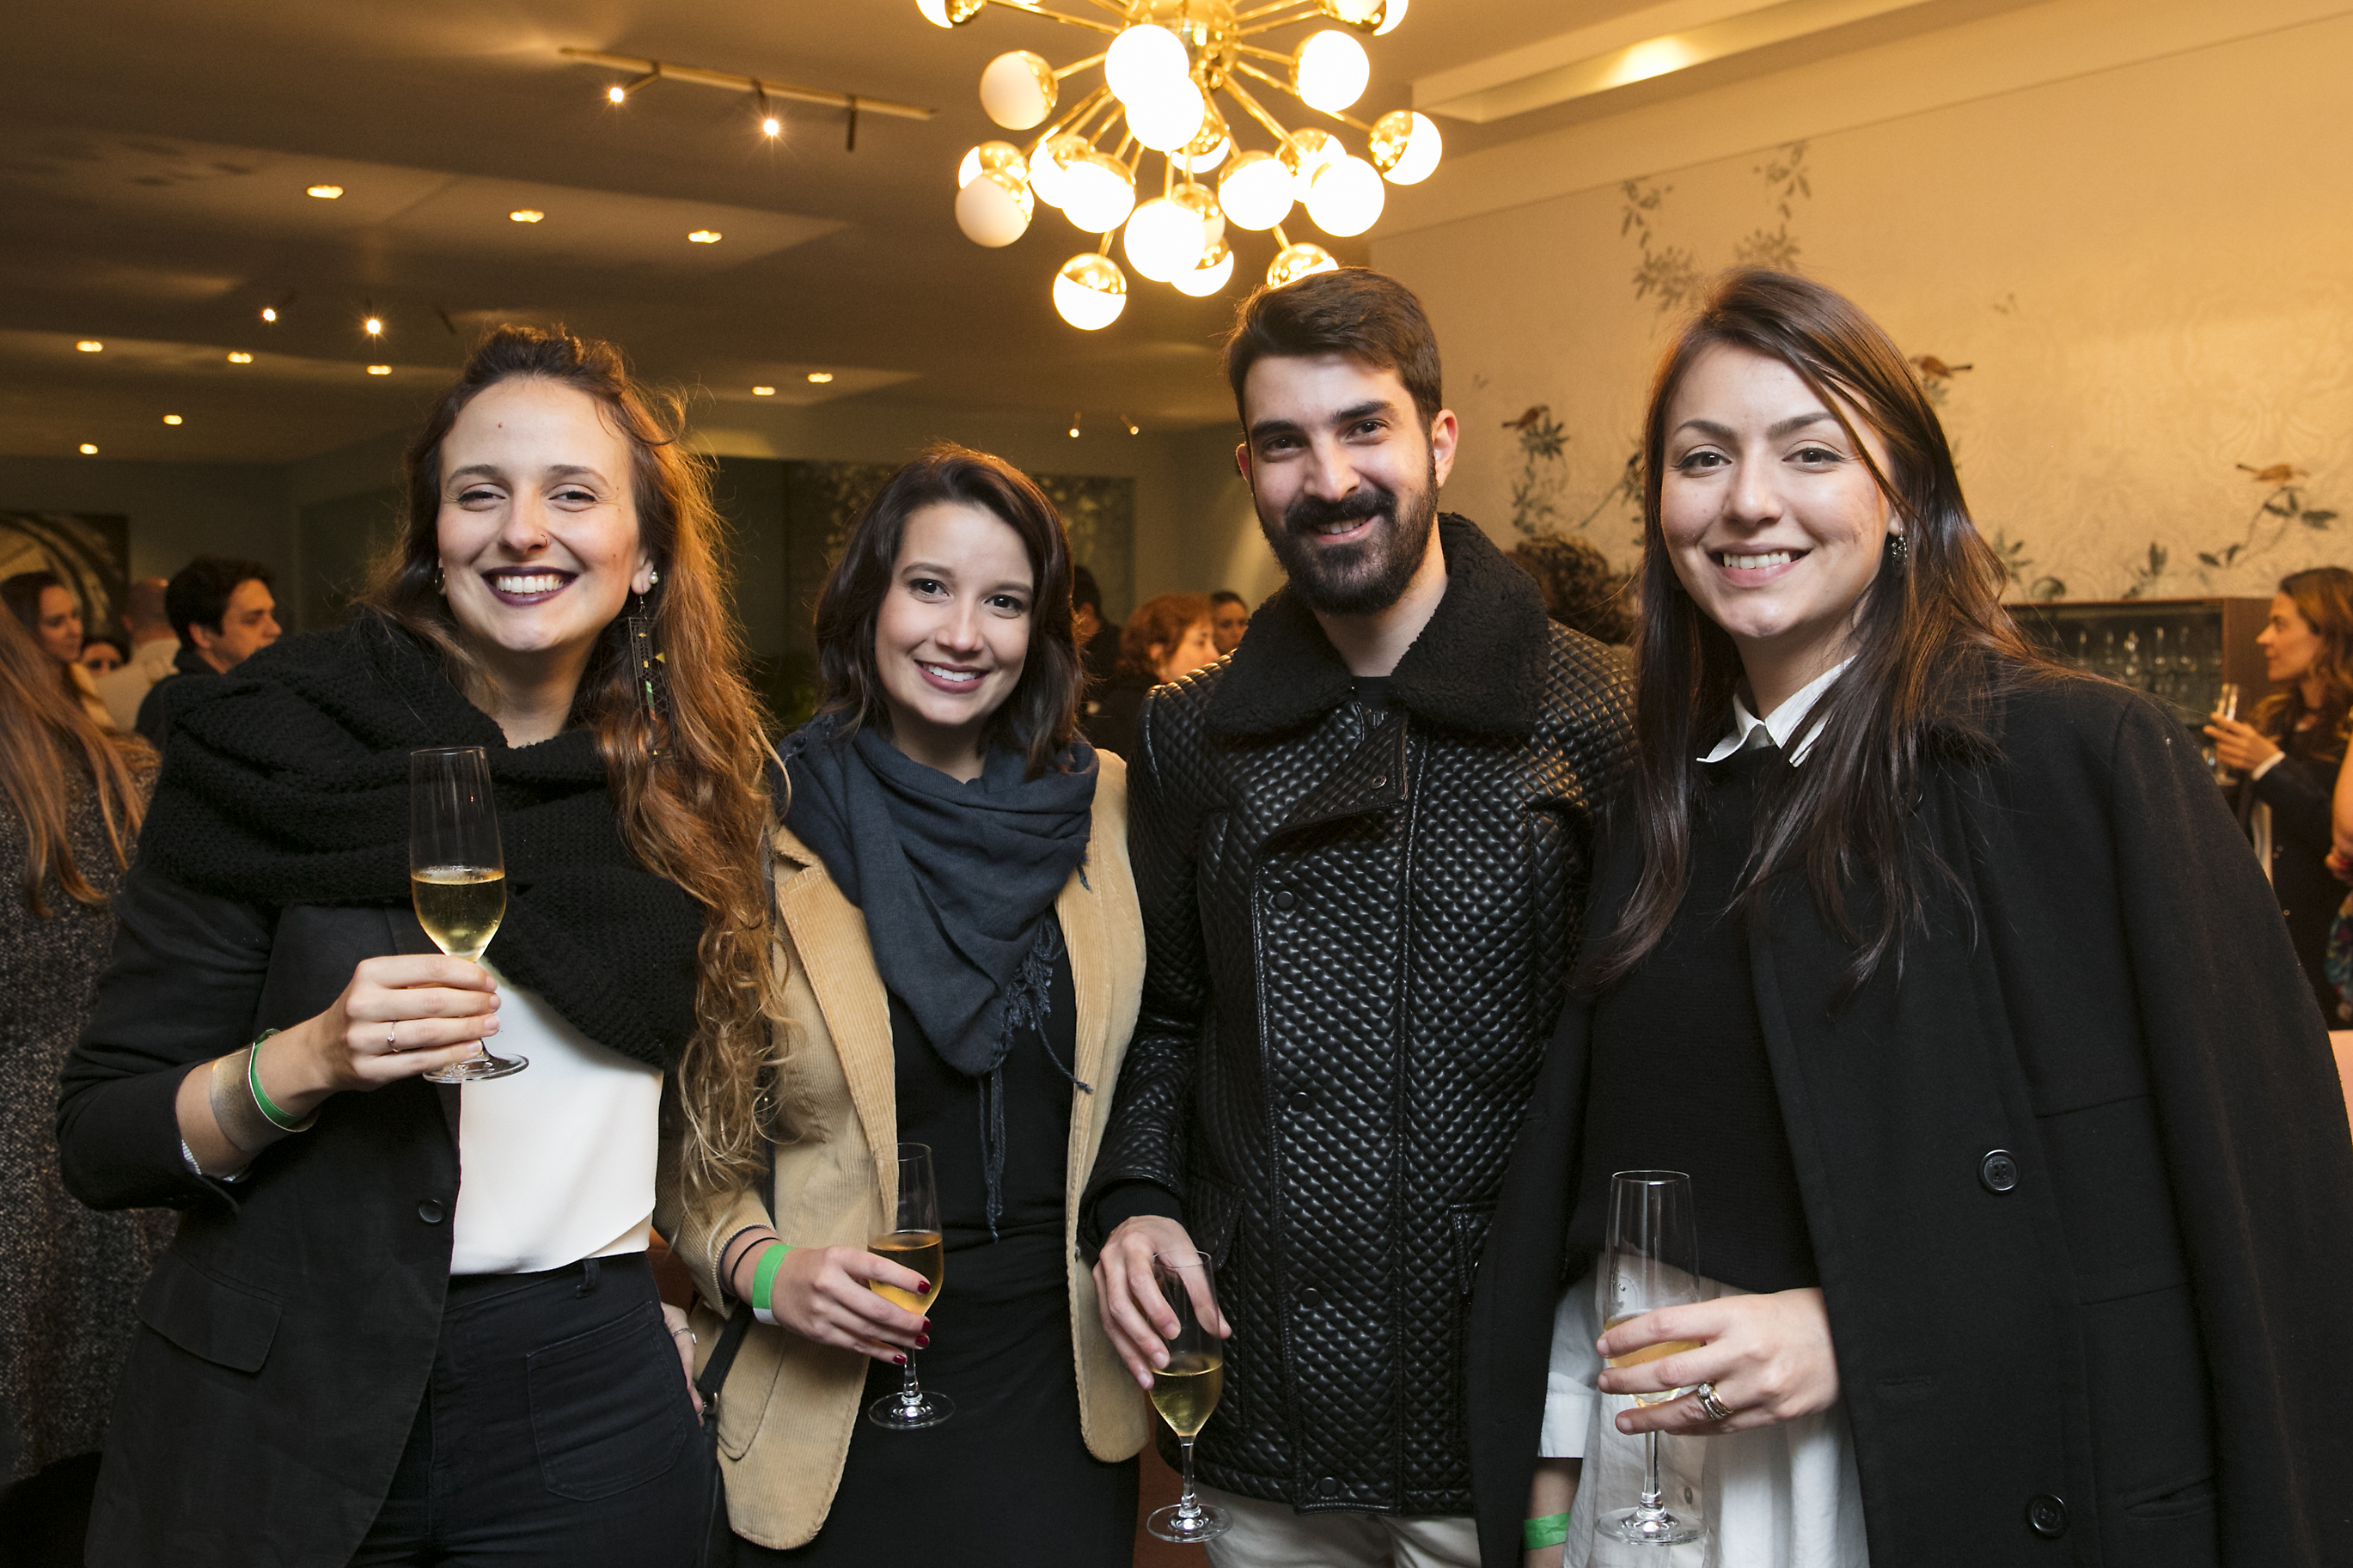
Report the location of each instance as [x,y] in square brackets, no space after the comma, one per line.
[2147,262]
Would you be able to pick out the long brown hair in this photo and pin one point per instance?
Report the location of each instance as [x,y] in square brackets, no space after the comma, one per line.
[1163,620]
[2324,597]
[687,783]
[47,739]
[1040,715]
[1932,643]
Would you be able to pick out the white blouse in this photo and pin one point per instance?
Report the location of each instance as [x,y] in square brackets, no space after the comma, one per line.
[557,1162]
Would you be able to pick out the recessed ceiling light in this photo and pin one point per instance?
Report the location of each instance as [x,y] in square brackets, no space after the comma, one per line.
[525,215]
[238,356]
[269,312]
[821,376]
[772,126]
[379,370]
[704,237]
[326,193]
[173,419]
[87,450]
[90,346]
[616,94]
[375,326]
[764,392]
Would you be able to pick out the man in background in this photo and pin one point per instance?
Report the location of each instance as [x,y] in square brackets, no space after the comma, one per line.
[1229,619]
[222,612]
[153,645]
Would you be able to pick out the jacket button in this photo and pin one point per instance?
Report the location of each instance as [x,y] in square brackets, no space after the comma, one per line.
[1998,1171]
[1382,782]
[1328,1486]
[2047,1514]
[431,1212]
[1284,898]
[1302,1098]
[1311,1297]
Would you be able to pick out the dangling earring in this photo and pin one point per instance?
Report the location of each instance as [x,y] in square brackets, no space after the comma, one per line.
[439,589]
[645,664]
[1899,550]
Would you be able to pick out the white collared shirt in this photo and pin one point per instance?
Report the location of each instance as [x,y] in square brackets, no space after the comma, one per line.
[1748,731]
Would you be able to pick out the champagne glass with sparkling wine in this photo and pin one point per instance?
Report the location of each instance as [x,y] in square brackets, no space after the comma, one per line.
[1185,1391]
[912,1242]
[457,874]
[1653,1262]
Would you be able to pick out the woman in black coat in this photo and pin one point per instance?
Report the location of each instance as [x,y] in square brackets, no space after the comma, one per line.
[405,1322]
[2018,1153]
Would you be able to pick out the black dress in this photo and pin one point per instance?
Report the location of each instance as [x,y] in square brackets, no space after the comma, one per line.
[1007,1478]
[2299,791]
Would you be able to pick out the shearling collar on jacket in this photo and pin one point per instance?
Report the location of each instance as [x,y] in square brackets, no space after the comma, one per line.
[1477,666]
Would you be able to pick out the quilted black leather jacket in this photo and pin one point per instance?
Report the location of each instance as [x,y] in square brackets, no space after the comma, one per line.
[1359,922]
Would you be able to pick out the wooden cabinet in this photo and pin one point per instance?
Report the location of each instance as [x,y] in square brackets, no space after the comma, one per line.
[2181,651]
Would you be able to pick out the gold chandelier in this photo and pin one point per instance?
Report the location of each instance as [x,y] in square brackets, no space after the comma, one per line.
[1164,66]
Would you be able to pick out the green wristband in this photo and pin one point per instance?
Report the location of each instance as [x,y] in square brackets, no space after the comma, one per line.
[268,1107]
[1549,1530]
[763,1279]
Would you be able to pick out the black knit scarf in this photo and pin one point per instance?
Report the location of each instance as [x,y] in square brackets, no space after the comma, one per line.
[288,784]
[957,881]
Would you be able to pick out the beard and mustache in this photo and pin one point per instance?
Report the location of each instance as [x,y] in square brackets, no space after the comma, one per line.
[1364,577]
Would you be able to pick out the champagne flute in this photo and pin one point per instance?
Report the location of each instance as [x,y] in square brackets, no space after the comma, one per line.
[912,1242]
[456,873]
[1653,1262]
[1185,1391]
[2226,706]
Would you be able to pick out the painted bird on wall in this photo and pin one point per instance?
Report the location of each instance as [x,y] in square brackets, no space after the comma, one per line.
[1530,417]
[1935,369]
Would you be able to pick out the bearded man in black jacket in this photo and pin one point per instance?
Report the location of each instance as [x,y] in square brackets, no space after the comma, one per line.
[1361,843]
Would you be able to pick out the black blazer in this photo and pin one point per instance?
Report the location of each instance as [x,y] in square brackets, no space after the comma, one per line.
[287,1335]
[2079,1186]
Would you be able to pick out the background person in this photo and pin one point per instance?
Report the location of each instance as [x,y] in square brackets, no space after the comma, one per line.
[44,607]
[222,611]
[1165,638]
[1581,589]
[2287,760]
[1953,989]
[954,894]
[1229,619]
[407,1323]
[1097,635]
[71,797]
[102,653]
[154,645]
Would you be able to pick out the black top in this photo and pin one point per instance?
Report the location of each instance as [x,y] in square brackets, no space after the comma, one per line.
[2298,791]
[1116,705]
[1679,1078]
[943,1107]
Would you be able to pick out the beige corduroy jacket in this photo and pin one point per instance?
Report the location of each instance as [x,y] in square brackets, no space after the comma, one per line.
[789,1405]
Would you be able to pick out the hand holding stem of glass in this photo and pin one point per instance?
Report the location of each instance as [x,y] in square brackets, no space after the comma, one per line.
[912,1242]
[457,872]
[1185,1391]
[1652,1262]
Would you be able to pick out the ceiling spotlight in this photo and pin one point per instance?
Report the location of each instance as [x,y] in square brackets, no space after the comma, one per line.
[620,91]
[616,93]
[90,346]
[764,392]
[1132,428]
[269,312]
[173,419]
[238,356]
[379,370]
[373,324]
[326,193]
[704,237]
[525,215]
[87,450]
[1074,426]
[821,376]
[771,126]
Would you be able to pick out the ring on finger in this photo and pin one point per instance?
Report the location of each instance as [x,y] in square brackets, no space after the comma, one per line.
[390,1043]
[1717,1409]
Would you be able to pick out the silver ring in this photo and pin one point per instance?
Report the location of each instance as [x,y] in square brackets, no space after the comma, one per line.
[1717,1409]
[389,1043]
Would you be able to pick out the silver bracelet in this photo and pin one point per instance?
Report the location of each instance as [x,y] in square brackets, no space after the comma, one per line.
[239,1116]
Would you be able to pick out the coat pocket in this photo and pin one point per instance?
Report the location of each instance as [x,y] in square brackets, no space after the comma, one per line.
[210,1319]
[608,1408]
[1470,1222]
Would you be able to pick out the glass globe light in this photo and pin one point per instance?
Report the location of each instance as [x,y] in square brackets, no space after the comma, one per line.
[989,157]
[1143,63]
[1329,71]
[1089,292]
[1097,192]
[1391,15]
[1212,147]
[1167,122]
[1355,13]
[1406,146]
[1053,161]
[1307,153]
[1255,191]
[1164,237]
[1217,270]
[1297,261]
[949,13]
[1019,89]
[1346,198]
[1213,219]
[994,210]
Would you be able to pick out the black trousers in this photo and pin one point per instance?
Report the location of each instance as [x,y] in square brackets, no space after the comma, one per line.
[557,1431]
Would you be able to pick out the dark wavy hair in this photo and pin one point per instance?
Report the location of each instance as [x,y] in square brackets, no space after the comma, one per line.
[1933,644]
[1353,311]
[2324,597]
[1041,717]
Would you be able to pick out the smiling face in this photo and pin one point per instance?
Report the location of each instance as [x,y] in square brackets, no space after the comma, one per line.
[953,632]
[58,626]
[2290,646]
[538,529]
[1344,478]
[1772,521]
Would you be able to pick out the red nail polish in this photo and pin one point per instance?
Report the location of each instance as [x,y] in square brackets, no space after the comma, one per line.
[927,1325]
[903,1361]
[923,1341]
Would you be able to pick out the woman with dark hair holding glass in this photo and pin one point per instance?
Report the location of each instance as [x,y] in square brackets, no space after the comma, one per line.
[2288,759]
[2021,1173]
[964,961]
[405,1322]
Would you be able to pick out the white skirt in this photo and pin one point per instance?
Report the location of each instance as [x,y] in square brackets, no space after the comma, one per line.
[1785,1496]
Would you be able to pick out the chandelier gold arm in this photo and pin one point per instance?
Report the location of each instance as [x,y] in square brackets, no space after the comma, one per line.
[1243,98]
[1077,66]
[1348,120]
[1306,8]
[1081,112]
[1088,22]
